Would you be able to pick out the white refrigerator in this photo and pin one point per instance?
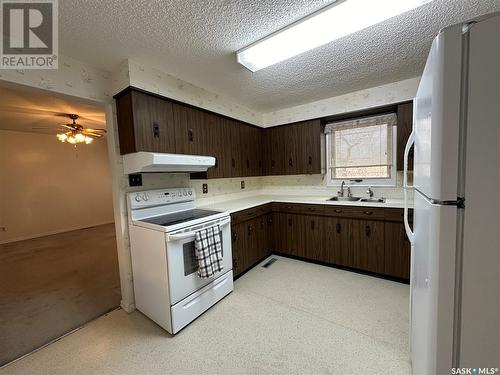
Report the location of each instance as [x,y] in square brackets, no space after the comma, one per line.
[455,282]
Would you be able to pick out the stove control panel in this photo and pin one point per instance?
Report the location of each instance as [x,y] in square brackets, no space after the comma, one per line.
[143,199]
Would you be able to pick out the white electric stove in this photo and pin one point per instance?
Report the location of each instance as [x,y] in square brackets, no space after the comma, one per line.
[162,226]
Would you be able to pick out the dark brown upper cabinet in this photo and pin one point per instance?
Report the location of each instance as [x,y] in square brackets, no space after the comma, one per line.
[274,151]
[251,150]
[191,132]
[311,135]
[214,130]
[232,160]
[405,126]
[293,149]
[145,123]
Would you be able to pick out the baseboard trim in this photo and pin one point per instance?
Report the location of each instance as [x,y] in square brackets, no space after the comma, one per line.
[50,233]
[344,268]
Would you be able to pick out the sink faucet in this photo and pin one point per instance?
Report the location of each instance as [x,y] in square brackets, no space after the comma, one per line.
[341,192]
[369,192]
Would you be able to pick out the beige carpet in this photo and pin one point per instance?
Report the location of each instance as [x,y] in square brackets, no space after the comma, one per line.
[291,318]
[53,284]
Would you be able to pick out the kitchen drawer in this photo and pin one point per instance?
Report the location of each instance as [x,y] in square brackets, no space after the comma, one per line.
[185,311]
[299,208]
[397,214]
[355,212]
[241,216]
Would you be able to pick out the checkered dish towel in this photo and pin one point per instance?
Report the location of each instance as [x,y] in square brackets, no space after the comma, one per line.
[208,249]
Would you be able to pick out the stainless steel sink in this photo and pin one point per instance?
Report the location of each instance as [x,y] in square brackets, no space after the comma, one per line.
[345,199]
[373,200]
[357,199]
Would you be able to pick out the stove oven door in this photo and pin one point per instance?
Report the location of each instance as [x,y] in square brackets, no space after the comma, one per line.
[183,278]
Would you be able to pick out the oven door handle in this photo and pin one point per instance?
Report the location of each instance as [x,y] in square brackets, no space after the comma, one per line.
[183,236]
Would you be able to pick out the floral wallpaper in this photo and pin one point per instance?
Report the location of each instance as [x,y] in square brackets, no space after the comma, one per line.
[72,78]
[162,83]
[372,97]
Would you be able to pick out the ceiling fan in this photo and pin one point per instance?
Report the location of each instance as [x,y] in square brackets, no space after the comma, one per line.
[75,133]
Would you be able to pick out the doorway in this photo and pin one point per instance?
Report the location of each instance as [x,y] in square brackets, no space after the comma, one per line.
[58,255]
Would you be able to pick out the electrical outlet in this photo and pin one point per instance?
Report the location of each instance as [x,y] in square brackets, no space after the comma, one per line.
[205,188]
[135,179]
[242,184]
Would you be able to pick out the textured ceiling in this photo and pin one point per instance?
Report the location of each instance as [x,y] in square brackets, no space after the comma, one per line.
[196,40]
[35,111]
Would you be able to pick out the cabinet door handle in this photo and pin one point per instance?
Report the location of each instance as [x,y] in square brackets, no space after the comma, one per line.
[337,227]
[248,163]
[338,211]
[190,135]
[235,236]
[262,224]
[290,162]
[250,229]
[368,212]
[368,231]
[270,220]
[156,130]
[216,162]
[233,163]
[310,160]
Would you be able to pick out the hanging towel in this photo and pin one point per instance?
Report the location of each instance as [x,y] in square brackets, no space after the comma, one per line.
[208,249]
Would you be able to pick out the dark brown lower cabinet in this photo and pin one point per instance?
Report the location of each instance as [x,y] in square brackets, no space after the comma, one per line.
[239,248]
[250,242]
[397,251]
[367,241]
[337,241]
[342,236]
[314,244]
[290,234]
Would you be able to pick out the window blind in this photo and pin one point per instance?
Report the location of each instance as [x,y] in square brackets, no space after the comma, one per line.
[361,148]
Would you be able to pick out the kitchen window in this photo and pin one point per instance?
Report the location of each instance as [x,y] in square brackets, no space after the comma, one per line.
[362,151]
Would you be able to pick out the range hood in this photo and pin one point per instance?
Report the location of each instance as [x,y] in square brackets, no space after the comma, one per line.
[138,162]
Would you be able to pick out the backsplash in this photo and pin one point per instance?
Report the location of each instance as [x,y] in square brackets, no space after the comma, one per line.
[316,185]
[216,187]
[296,184]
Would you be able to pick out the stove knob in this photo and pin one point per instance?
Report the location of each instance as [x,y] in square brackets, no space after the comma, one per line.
[145,197]
[184,193]
[190,192]
[137,198]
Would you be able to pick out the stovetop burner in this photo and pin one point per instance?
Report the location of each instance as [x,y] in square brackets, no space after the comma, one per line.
[179,217]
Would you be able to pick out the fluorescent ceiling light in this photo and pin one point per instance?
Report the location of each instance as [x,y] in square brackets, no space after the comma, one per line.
[342,18]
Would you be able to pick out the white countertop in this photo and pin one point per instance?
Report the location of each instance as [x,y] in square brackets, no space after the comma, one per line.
[233,203]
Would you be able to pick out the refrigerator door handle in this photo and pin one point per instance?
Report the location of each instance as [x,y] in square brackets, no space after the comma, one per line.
[409,144]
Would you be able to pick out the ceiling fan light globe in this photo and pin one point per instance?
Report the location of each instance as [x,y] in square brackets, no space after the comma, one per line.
[62,137]
[79,137]
[88,140]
